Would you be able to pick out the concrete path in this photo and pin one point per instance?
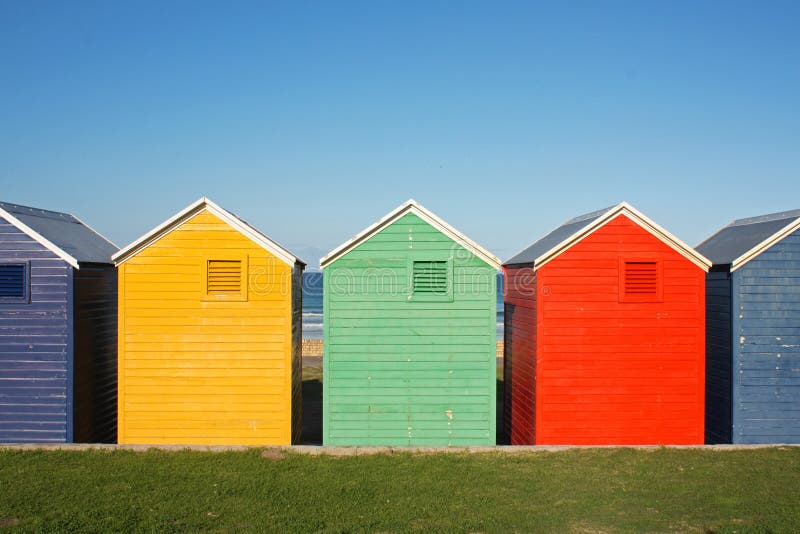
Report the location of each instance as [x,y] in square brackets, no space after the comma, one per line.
[313,450]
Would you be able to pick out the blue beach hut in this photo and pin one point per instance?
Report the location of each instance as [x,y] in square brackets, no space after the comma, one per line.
[753,331]
[58,319]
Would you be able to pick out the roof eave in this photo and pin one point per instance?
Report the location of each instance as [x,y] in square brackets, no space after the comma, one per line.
[764,245]
[410,206]
[156,233]
[365,234]
[98,234]
[626,209]
[193,209]
[255,235]
[39,238]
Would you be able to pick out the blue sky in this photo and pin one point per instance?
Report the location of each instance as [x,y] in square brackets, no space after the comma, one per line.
[313,119]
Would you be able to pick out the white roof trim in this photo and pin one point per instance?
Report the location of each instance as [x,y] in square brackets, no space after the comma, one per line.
[190,211]
[39,238]
[764,245]
[642,220]
[411,206]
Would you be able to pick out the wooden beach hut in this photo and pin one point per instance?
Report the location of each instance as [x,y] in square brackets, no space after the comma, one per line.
[58,353]
[753,331]
[409,335]
[604,335]
[209,334]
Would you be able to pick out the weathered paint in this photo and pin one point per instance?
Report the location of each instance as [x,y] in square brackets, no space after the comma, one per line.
[57,350]
[197,371]
[766,346]
[606,371]
[397,371]
[70,355]
[34,346]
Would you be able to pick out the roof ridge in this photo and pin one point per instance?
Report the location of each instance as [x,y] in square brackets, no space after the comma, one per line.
[591,215]
[777,216]
[9,207]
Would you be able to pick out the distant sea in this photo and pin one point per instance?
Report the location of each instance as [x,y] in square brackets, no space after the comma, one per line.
[312,305]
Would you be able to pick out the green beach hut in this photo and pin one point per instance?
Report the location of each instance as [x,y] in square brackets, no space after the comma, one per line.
[409,335]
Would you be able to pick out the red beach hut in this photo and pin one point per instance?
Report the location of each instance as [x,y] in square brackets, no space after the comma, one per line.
[605,335]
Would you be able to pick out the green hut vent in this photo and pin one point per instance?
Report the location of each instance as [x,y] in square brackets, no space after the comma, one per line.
[430,278]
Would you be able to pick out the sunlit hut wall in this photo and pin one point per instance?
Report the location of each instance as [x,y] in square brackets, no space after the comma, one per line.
[605,335]
[753,324]
[409,331]
[209,334]
[58,326]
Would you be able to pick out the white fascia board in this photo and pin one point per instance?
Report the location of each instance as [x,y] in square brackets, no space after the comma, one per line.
[411,206]
[764,245]
[642,220]
[157,232]
[254,235]
[39,238]
[191,211]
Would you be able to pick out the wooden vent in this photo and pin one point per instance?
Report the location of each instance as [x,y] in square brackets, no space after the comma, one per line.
[224,277]
[12,281]
[430,277]
[641,279]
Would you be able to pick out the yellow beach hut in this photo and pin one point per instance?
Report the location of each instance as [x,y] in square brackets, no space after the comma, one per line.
[209,334]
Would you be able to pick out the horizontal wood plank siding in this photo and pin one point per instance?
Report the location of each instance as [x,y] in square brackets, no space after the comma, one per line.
[520,355]
[612,372]
[195,370]
[95,375]
[767,346]
[718,357]
[34,336]
[400,372]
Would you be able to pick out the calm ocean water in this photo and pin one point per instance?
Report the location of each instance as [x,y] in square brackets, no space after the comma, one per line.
[312,305]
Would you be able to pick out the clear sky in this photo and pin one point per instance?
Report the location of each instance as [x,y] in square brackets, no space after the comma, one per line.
[313,119]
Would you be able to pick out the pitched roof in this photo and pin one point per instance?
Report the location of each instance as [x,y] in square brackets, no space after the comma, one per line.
[744,239]
[411,206]
[204,204]
[63,234]
[551,240]
[574,230]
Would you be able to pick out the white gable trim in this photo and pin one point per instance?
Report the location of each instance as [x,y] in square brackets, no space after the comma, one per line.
[764,245]
[411,206]
[39,238]
[639,218]
[197,207]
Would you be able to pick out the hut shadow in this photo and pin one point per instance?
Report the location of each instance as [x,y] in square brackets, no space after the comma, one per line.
[501,437]
[311,433]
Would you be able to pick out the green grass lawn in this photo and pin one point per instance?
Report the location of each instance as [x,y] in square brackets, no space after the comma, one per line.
[579,490]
